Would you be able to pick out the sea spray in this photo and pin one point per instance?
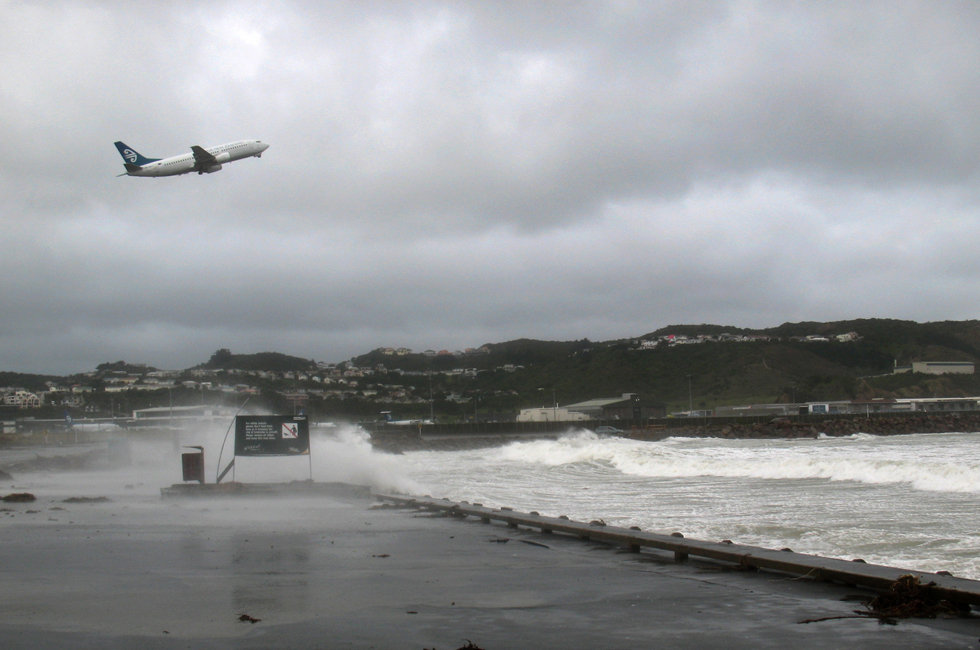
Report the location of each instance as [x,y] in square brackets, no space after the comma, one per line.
[345,455]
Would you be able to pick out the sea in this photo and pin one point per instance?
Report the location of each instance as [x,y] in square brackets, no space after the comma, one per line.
[909,501]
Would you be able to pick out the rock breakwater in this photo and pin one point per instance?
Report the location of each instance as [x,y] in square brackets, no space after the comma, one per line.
[836,426]
[467,437]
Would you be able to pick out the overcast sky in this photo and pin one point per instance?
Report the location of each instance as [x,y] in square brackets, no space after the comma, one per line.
[448,174]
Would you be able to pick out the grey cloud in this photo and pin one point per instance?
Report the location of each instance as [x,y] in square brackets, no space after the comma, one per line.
[447,174]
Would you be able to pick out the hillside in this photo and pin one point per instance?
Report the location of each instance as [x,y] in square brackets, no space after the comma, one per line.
[223,359]
[677,368]
[777,364]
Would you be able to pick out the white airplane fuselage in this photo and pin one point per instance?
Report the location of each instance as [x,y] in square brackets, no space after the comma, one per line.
[200,160]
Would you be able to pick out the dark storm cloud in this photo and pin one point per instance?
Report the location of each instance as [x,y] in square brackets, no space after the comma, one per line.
[448,174]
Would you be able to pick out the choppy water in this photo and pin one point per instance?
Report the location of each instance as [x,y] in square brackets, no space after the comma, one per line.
[908,501]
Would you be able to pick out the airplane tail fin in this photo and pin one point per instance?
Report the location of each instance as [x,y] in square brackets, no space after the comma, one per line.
[134,159]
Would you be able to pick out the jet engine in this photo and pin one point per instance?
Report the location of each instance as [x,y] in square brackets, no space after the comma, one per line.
[210,169]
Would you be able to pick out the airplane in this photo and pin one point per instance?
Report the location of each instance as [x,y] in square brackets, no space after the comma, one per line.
[200,160]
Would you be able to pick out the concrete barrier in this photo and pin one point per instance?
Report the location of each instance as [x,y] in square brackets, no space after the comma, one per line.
[872,576]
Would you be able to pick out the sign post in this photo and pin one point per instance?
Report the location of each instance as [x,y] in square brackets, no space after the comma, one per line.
[271,435]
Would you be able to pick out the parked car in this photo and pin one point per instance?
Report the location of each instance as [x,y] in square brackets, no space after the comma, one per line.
[608,431]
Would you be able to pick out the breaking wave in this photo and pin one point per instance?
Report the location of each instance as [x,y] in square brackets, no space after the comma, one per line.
[905,500]
[861,457]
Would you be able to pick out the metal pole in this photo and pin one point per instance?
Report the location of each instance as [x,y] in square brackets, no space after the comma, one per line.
[690,397]
[432,416]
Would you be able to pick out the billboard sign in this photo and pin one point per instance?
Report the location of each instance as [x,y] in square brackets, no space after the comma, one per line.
[272,435]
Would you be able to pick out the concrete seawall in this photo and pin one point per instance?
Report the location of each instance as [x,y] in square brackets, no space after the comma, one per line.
[879,578]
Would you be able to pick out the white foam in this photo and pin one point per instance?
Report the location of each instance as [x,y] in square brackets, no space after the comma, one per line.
[903,500]
[860,457]
[346,456]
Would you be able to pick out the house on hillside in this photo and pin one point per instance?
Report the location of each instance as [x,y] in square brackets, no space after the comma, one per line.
[22,399]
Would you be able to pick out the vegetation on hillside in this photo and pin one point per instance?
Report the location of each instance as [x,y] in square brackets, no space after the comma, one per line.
[716,366]
[779,367]
[223,359]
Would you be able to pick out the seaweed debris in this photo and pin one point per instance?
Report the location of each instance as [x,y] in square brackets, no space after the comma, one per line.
[19,497]
[908,597]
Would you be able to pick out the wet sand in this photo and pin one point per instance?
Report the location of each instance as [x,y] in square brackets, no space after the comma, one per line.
[333,571]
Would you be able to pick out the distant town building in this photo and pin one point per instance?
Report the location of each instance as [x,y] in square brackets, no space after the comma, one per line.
[943,367]
[22,399]
[550,414]
[627,406]
[937,368]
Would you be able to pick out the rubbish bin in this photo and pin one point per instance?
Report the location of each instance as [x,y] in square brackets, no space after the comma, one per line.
[192,463]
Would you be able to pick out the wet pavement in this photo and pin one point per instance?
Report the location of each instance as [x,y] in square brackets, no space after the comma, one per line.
[334,571]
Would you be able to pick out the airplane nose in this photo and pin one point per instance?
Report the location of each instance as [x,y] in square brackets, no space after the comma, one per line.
[264,147]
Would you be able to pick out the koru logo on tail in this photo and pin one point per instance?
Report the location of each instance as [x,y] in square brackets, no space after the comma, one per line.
[130,155]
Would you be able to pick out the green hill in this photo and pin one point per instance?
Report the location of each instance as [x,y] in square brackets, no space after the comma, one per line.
[701,366]
[223,359]
[779,365]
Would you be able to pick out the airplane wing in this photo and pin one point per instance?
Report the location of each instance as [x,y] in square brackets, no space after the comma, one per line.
[202,157]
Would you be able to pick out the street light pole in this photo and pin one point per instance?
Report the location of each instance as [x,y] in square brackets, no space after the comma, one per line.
[690,398]
[432,416]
